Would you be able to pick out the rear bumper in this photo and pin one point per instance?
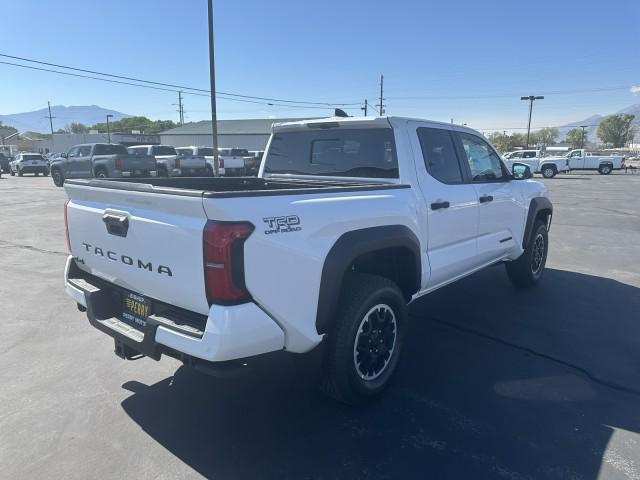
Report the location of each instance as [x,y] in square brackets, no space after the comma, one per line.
[33,168]
[227,333]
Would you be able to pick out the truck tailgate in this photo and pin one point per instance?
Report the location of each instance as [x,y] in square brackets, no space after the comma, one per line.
[138,162]
[148,243]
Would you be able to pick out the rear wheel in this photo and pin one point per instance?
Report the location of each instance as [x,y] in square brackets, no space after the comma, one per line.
[549,171]
[101,173]
[45,173]
[604,169]
[162,172]
[20,172]
[365,342]
[13,174]
[527,270]
[58,178]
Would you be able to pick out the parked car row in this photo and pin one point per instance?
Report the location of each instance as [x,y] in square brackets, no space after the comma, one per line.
[578,159]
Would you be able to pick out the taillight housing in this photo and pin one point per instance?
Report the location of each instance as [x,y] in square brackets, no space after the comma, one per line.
[177,162]
[223,258]
[66,225]
[118,164]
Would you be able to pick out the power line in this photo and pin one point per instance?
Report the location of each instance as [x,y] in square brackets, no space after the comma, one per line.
[179,87]
[556,92]
[120,82]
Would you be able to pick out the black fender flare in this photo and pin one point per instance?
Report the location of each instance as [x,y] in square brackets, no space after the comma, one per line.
[537,205]
[346,249]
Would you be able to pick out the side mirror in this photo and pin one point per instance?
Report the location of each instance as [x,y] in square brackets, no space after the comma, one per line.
[520,171]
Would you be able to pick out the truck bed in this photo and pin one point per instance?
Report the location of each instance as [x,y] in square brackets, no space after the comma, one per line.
[219,187]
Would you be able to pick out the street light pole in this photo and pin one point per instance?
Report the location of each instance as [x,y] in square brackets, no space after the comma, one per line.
[108,129]
[212,81]
[531,98]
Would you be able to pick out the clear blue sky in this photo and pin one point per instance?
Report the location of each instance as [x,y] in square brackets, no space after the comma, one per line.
[333,51]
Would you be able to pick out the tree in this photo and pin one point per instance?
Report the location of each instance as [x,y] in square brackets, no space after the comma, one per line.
[617,129]
[548,135]
[75,127]
[574,137]
[6,130]
[506,143]
[143,124]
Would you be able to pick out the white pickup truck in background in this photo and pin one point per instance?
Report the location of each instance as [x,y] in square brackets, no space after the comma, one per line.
[206,152]
[349,220]
[580,159]
[232,161]
[549,167]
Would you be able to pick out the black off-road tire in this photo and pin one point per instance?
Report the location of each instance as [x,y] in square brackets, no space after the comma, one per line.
[162,172]
[101,173]
[57,176]
[12,173]
[45,173]
[372,304]
[20,173]
[528,269]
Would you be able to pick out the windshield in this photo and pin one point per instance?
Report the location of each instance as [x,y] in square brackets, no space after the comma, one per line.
[337,152]
[105,149]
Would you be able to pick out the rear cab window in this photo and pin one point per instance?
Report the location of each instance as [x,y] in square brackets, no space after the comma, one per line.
[340,152]
[106,149]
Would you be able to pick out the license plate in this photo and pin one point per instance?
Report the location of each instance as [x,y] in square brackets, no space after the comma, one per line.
[135,310]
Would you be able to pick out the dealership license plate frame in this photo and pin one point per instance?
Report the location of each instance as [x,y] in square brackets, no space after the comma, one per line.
[136,309]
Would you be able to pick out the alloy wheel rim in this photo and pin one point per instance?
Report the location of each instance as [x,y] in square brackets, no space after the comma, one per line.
[375,342]
[538,254]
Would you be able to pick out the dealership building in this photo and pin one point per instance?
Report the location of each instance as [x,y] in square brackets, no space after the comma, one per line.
[251,134]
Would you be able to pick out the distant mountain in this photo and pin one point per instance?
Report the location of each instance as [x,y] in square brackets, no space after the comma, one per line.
[38,122]
[594,120]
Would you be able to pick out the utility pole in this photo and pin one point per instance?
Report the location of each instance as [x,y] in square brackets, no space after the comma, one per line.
[381,106]
[212,80]
[366,107]
[180,108]
[531,98]
[50,117]
[108,129]
[582,142]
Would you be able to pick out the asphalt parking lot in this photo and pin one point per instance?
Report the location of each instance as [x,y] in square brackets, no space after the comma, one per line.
[494,382]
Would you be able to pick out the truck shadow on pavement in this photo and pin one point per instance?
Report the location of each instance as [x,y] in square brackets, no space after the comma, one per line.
[494,382]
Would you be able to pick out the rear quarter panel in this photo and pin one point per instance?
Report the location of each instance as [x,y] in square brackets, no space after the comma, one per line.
[283,266]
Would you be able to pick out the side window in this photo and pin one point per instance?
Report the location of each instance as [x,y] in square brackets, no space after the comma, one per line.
[439,155]
[516,155]
[529,155]
[73,152]
[84,151]
[484,163]
[575,154]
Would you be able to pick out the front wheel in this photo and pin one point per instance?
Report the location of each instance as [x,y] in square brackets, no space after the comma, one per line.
[527,270]
[548,172]
[20,173]
[365,341]
[58,178]
[12,173]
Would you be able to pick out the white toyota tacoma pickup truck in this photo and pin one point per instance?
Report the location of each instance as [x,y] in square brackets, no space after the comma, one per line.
[349,220]
[580,159]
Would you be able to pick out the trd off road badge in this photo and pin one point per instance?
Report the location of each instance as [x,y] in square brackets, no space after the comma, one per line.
[286,224]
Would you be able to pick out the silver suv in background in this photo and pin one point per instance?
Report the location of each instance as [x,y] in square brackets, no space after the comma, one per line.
[29,163]
[169,163]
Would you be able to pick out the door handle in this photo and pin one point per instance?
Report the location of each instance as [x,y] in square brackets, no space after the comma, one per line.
[486,198]
[439,205]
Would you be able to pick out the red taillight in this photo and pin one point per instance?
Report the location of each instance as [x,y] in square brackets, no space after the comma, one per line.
[177,163]
[118,164]
[66,226]
[223,257]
